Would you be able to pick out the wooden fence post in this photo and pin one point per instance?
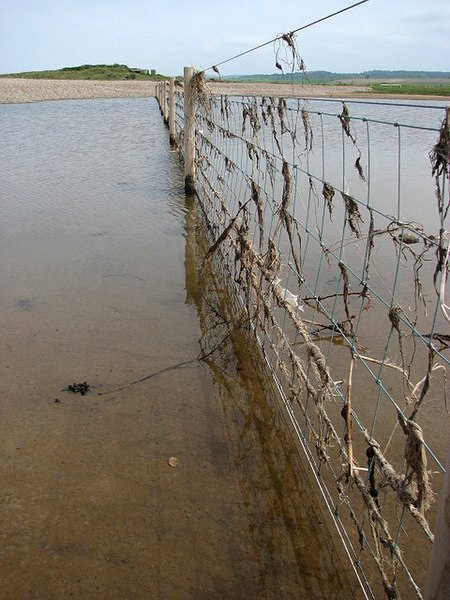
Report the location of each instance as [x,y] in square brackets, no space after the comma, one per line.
[189,132]
[438,585]
[158,94]
[172,139]
[164,91]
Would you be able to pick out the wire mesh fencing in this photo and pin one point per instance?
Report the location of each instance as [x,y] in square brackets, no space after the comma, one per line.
[330,222]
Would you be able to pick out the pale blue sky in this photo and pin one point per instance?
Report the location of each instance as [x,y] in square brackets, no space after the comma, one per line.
[167,35]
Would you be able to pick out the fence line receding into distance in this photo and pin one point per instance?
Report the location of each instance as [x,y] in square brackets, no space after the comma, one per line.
[330,219]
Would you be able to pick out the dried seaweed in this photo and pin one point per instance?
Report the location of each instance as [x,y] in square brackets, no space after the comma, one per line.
[281,109]
[440,154]
[256,197]
[287,190]
[201,94]
[353,215]
[345,295]
[286,52]
[253,153]
[440,158]
[225,233]
[262,249]
[359,168]
[307,129]
[328,193]
[345,120]
[369,247]
[250,113]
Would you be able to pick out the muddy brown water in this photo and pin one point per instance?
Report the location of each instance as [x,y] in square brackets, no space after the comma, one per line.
[185,485]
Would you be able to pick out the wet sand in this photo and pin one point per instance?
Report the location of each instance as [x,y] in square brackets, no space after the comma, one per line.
[34,90]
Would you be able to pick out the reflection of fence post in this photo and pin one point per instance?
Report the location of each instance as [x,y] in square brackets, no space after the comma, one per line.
[438,586]
[172,139]
[189,132]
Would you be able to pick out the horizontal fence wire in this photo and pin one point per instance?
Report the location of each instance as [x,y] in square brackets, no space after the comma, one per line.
[332,226]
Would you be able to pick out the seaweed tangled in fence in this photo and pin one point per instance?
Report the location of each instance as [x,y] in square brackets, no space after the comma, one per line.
[287,53]
[310,274]
[440,158]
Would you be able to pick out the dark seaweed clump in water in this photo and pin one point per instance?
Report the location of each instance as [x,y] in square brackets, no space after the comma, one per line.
[79,388]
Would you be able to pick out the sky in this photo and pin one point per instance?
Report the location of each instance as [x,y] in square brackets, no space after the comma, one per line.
[170,34]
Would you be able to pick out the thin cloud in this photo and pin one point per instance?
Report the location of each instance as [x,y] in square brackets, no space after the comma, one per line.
[405,34]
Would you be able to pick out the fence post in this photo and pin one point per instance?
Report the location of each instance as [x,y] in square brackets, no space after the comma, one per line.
[158,94]
[189,132]
[172,139]
[438,585]
[164,102]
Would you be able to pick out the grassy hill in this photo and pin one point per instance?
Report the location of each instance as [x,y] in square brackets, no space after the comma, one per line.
[102,72]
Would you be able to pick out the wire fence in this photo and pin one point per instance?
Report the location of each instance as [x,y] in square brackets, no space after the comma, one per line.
[330,222]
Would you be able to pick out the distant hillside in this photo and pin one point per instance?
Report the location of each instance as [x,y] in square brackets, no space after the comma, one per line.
[330,77]
[101,72]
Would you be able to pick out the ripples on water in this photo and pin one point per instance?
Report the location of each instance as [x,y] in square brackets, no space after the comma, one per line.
[61,151]
[92,265]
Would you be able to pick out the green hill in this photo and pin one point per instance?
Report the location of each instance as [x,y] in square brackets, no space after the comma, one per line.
[102,72]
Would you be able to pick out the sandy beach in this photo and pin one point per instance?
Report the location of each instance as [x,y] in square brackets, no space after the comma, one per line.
[14,90]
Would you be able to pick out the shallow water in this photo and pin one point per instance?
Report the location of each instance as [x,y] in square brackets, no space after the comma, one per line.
[96,251]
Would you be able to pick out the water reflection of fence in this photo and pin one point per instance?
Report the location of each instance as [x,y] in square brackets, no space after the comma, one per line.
[331,223]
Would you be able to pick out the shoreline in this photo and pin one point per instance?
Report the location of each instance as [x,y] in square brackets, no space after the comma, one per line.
[19,91]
